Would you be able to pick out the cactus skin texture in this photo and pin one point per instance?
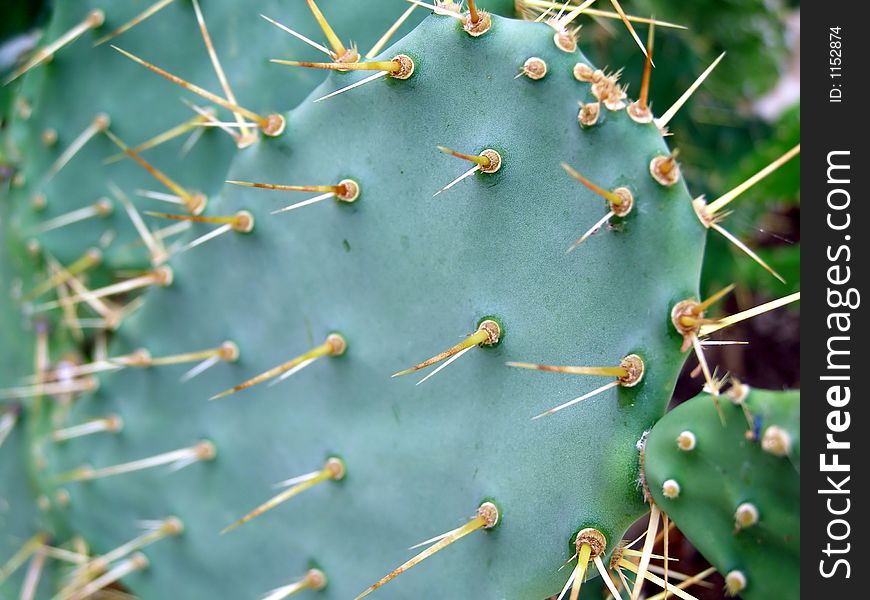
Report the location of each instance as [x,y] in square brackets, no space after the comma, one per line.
[64,96]
[402,275]
[82,81]
[728,477]
[20,518]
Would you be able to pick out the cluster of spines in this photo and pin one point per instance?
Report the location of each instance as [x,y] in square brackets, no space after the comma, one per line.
[770,435]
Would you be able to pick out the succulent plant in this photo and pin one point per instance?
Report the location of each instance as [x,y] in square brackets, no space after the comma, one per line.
[731,488]
[417,202]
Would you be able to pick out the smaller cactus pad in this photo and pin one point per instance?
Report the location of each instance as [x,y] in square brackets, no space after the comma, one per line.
[737,483]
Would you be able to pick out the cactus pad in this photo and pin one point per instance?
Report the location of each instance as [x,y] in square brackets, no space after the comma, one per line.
[737,486]
[401,275]
[420,201]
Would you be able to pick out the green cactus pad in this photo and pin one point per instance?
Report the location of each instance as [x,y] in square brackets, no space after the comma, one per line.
[20,516]
[402,276]
[82,80]
[747,471]
[17,505]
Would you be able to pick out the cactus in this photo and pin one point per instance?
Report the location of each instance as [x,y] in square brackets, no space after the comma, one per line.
[731,489]
[370,275]
[63,99]
[19,517]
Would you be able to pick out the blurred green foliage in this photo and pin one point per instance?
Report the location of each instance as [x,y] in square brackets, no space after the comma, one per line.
[767,217]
